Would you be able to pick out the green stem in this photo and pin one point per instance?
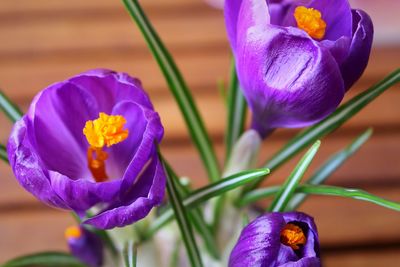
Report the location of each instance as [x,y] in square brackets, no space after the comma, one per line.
[179,89]
[9,108]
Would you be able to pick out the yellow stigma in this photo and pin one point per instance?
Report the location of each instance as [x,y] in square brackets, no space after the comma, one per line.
[73,232]
[107,130]
[292,236]
[310,20]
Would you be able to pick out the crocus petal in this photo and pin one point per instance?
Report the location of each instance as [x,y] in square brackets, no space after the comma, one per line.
[259,244]
[59,116]
[231,10]
[147,192]
[28,168]
[356,62]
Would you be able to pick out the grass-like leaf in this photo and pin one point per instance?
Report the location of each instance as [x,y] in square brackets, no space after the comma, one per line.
[330,166]
[45,259]
[3,153]
[179,89]
[9,108]
[331,123]
[287,190]
[130,254]
[325,190]
[237,108]
[196,217]
[201,195]
[183,221]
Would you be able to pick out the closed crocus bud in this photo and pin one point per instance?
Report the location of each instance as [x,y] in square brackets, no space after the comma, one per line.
[90,141]
[278,239]
[85,245]
[296,58]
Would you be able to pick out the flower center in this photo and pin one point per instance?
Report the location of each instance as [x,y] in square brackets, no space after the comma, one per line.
[309,20]
[73,232]
[107,130]
[292,236]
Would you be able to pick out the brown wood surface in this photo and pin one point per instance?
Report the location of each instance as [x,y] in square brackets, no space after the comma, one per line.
[44,41]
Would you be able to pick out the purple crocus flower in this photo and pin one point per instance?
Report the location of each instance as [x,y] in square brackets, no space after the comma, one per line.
[90,141]
[278,239]
[85,245]
[296,58]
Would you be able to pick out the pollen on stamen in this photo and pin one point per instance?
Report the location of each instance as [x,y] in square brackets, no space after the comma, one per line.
[310,20]
[293,236]
[107,130]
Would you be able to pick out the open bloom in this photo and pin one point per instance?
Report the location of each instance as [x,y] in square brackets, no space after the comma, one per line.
[278,239]
[90,141]
[85,245]
[296,59]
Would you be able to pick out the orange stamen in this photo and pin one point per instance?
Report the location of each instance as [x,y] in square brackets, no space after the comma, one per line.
[310,20]
[107,130]
[293,236]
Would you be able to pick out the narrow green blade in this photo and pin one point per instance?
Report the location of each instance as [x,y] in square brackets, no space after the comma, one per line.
[179,89]
[196,217]
[45,259]
[9,108]
[237,108]
[201,195]
[324,190]
[287,190]
[3,153]
[358,194]
[331,123]
[183,222]
[130,254]
[330,166]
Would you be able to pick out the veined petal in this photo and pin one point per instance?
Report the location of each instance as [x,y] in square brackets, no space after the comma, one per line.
[360,49]
[147,192]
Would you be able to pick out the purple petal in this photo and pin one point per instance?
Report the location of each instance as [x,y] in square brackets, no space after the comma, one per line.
[28,168]
[259,243]
[356,62]
[59,116]
[83,194]
[147,192]
[231,11]
[304,262]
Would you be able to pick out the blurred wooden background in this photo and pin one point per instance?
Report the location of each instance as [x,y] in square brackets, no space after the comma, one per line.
[44,41]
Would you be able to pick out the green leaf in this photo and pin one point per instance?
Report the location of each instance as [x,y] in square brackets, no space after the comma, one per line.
[237,108]
[130,254]
[330,166]
[196,216]
[328,125]
[9,108]
[287,190]
[3,153]
[358,194]
[325,190]
[179,89]
[203,194]
[183,221]
[45,259]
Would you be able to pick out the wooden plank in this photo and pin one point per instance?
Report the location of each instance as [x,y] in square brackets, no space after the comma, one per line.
[369,258]
[382,114]
[367,169]
[340,221]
